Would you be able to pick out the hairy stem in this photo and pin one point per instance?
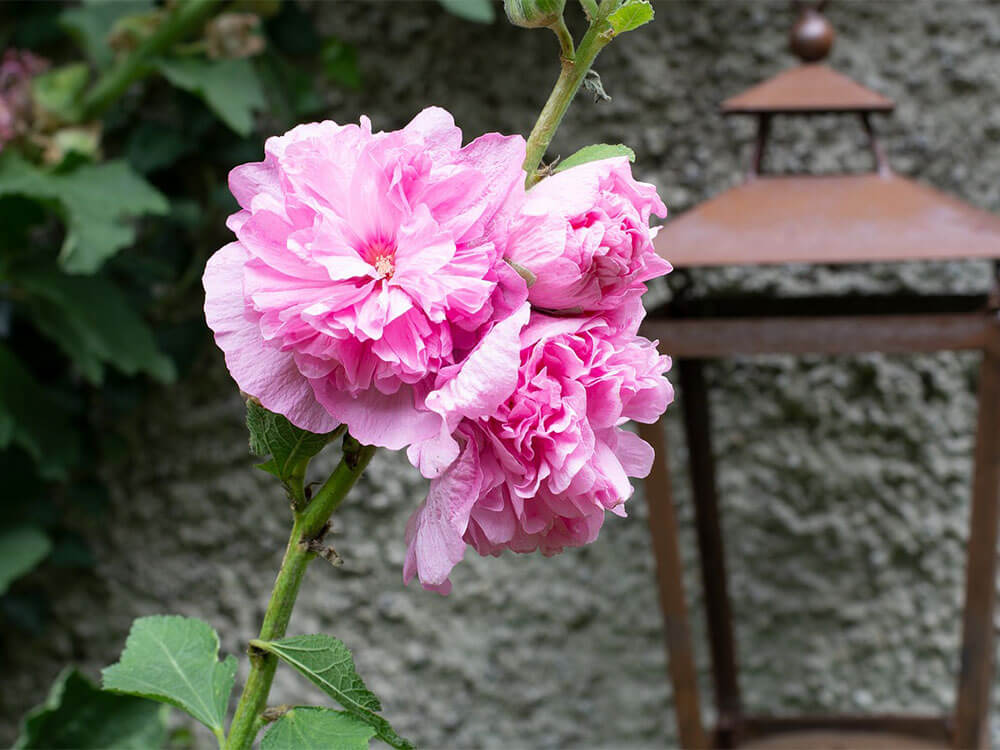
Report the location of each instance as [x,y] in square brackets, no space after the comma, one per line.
[574,70]
[309,523]
[184,17]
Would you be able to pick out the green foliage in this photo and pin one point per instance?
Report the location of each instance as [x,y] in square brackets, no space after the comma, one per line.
[78,715]
[93,323]
[289,447]
[311,728]
[477,11]
[95,201]
[326,662]
[176,660]
[631,15]
[595,152]
[340,63]
[29,418]
[229,87]
[58,90]
[91,22]
[21,549]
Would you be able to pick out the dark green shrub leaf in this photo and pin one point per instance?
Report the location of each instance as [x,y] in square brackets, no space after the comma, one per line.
[175,660]
[595,153]
[21,549]
[229,87]
[93,323]
[91,22]
[95,200]
[289,447]
[340,63]
[58,90]
[151,145]
[631,15]
[327,663]
[311,728]
[78,715]
[31,419]
[477,11]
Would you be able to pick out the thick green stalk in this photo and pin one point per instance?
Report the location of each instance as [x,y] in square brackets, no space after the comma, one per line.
[572,75]
[309,524]
[183,17]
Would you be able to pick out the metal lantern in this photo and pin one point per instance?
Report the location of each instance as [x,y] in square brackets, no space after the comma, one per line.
[857,218]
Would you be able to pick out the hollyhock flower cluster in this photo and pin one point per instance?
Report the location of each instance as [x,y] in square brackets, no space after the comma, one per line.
[372,283]
[364,265]
[540,472]
[584,232]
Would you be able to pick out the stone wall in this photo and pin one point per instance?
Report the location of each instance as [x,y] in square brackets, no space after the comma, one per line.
[844,482]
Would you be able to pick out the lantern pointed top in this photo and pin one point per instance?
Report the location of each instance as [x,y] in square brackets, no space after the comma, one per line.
[834,218]
[809,88]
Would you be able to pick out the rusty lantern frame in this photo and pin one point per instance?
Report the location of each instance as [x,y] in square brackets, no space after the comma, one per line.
[809,219]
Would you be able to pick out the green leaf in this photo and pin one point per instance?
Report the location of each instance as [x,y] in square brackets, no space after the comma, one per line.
[290,447]
[91,22]
[230,88]
[21,549]
[93,323]
[31,419]
[631,15]
[175,660]
[311,728]
[58,90]
[327,663]
[477,11]
[95,202]
[595,152]
[151,145]
[78,715]
[340,63]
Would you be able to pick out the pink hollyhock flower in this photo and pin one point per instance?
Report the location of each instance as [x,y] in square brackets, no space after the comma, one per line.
[366,268]
[584,233]
[17,69]
[540,472]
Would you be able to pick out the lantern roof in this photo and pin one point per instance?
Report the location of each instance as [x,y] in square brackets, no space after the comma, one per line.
[812,88]
[832,219]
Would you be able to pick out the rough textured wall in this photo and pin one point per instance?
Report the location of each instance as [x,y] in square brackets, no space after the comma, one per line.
[844,482]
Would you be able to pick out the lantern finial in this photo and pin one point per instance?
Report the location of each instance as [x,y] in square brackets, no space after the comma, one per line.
[812,35]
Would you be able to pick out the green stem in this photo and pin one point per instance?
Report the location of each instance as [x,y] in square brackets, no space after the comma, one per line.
[574,70]
[590,8]
[309,523]
[565,39]
[185,16]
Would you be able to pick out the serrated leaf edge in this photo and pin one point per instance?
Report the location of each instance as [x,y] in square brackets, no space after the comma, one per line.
[385,732]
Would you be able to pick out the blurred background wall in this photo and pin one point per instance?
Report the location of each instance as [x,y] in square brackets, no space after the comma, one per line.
[844,482]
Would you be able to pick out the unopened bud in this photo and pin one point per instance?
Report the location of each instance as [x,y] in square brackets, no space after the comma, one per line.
[233,36]
[534,14]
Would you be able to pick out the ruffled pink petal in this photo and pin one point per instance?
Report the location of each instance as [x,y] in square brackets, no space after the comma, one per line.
[635,454]
[472,390]
[434,534]
[266,373]
[499,159]
[374,418]
[436,127]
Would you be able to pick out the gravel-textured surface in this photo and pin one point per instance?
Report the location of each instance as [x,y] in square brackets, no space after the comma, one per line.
[845,482]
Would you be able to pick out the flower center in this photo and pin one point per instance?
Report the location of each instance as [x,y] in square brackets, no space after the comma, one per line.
[384,266]
[382,255]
